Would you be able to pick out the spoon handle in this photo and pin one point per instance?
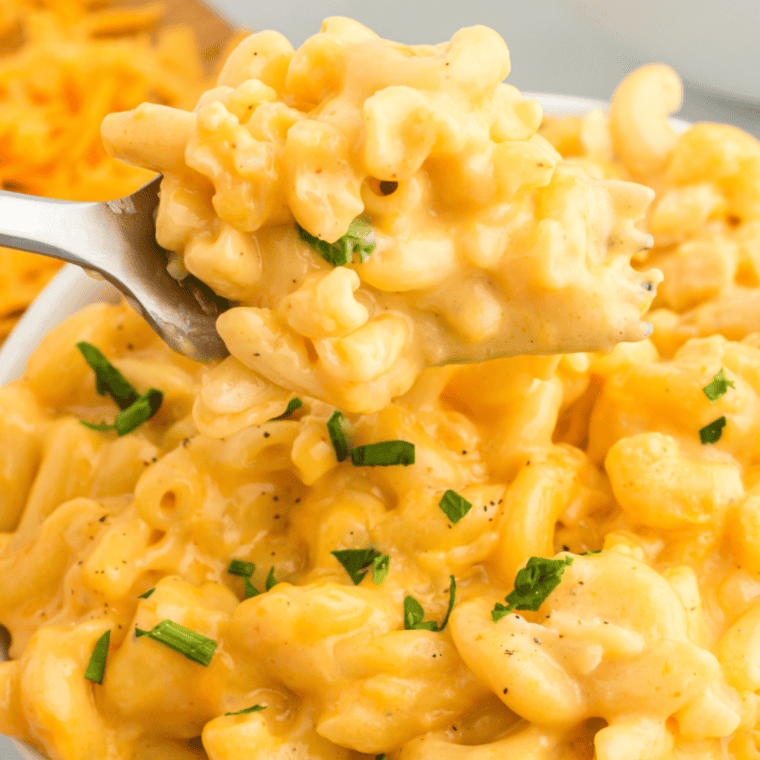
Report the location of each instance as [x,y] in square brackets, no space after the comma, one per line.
[42,225]
[117,240]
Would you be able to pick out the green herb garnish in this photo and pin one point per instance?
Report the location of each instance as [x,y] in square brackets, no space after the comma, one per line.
[533,584]
[336,427]
[255,708]
[359,239]
[103,427]
[413,612]
[133,416]
[356,562]
[135,409]
[293,404]
[194,646]
[383,454]
[718,387]
[711,433]
[241,568]
[97,665]
[250,589]
[381,565]
[271,581]
[108,379]
[244,570]
[454,506]
[148,593]
[141,411]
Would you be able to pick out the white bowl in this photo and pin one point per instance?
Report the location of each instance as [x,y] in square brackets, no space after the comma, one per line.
[72,289]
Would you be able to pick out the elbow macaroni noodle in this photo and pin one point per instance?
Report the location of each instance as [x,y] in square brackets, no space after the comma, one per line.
[647,649]
[487,243]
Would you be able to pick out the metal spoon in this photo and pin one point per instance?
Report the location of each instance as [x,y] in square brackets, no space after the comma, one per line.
[117,239]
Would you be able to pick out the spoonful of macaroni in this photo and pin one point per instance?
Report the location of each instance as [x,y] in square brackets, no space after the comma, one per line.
[372,209]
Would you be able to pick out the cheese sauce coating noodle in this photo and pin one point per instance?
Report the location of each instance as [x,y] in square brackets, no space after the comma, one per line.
[486,242]
[647,649]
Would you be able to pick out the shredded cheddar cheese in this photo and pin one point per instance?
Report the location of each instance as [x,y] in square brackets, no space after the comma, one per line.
[67,64]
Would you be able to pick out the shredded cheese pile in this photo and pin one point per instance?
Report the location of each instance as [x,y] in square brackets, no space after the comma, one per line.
[66,64]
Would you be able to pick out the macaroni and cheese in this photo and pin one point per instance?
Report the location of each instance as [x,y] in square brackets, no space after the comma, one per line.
[486,243]
[559,558]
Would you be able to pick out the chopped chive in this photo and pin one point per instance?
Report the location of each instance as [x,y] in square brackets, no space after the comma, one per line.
[195,646]
[454,506]
[148,593]
[383,454]
[533,584]
[358,239]
[97,665]
[336,427]
[588,554]
[108,379]
[413,612]
[133,416]
[101,428]
[356,561]
[250,589]
[380,568]
[380,757]
[241,568]
[711,433]
[718,386]
[255,708]
[141,411]
[271,581]
[293,404]
[452,600]
[244,570]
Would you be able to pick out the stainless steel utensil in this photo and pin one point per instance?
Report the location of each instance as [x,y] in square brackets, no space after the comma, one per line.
[117,239]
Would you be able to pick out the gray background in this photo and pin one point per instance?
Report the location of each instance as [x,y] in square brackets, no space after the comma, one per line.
[552,50]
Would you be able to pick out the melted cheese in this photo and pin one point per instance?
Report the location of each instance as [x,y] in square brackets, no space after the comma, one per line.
[486,243]
[646,649]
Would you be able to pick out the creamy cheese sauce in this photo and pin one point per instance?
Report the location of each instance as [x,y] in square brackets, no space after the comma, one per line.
[639,467]
[487,243]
